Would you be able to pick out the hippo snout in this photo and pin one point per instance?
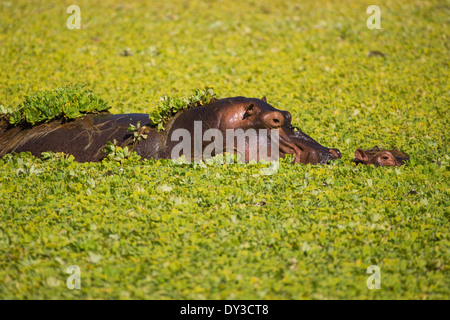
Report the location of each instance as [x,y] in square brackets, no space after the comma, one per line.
[329,155]
[335,153]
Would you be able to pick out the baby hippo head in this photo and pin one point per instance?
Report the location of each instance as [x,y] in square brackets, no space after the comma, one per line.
[377,157]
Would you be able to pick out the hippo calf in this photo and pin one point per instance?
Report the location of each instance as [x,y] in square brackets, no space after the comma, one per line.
[85,138]
[377,157]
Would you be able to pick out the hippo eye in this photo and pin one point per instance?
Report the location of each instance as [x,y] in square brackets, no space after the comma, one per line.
[385,157]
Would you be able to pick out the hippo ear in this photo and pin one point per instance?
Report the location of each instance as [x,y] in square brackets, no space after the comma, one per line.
[264,99]
[361,156]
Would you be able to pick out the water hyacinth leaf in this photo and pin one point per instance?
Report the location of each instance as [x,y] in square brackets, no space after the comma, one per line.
[70,102]
[226,231]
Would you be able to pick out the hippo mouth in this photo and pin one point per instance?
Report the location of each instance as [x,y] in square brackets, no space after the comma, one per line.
[304,148]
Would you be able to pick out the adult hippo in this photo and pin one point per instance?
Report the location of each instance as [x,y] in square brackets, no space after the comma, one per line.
[86,137]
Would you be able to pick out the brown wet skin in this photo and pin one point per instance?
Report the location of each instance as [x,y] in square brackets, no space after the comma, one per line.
[377,157]
[86,137]
[250,113]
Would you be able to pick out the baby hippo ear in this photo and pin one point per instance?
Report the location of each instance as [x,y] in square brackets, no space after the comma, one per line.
[361,156]
[264,99]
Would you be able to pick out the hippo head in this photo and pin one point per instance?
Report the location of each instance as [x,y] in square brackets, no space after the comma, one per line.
[377,157]
[240,114]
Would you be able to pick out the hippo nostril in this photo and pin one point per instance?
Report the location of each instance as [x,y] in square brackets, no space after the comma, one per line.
[335,152]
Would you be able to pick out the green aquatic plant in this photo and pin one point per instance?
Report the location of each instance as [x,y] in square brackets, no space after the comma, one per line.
[65,102]
[139,133]
[158,229]
[169,106]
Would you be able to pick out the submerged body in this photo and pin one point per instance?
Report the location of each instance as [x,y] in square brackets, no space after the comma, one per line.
[86,137]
